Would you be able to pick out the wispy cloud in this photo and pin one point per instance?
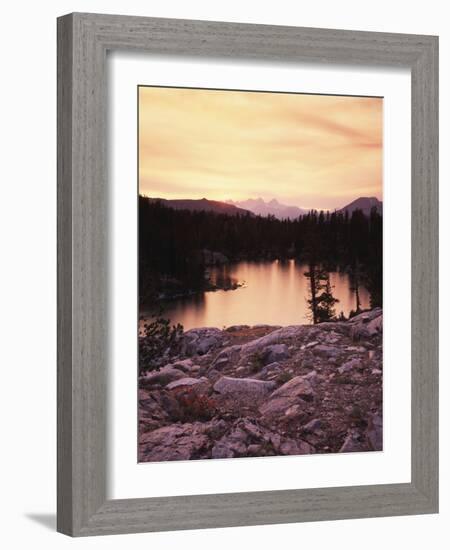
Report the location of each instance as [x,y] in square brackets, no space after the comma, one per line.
[308,150]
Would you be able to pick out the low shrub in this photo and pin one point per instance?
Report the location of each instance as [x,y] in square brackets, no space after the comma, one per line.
[256,362]
[159,339]
[284,377]
[195,406]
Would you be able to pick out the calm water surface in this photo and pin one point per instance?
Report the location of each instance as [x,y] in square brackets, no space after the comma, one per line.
[273,293]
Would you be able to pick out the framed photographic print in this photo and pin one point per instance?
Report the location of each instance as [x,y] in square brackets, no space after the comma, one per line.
[251,264]
[247,269]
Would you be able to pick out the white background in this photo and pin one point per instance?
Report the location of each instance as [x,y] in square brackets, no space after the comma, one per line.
[131,480]
[28,271]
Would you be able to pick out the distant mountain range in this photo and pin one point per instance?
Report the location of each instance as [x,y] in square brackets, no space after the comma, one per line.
[205,205]
[259,207]
[365,204]
[270,208]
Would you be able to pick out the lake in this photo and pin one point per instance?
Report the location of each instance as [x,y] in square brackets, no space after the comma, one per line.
[273,292]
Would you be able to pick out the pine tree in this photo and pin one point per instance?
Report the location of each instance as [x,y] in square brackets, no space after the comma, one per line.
[314,289]
[355,284]
[326,300]
[321,302]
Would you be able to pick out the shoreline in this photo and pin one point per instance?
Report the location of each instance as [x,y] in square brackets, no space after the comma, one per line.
[167,295]
[265,391]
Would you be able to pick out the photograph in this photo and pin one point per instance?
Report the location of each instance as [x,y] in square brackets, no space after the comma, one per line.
[260,267]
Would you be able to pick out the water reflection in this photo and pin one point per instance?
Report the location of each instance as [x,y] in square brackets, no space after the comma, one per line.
[222,277]
[275,293]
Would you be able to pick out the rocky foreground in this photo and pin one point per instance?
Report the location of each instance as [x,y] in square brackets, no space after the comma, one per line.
[266,391]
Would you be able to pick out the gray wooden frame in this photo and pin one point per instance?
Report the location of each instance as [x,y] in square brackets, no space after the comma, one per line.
[83,40]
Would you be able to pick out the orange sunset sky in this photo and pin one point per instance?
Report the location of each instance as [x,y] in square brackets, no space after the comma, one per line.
[309,151]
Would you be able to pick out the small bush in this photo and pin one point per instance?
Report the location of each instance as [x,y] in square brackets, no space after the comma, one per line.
[159,338]
[283,377]
[196,406]
[256,362]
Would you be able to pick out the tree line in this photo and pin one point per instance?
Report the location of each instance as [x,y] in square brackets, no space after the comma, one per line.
[171,245]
